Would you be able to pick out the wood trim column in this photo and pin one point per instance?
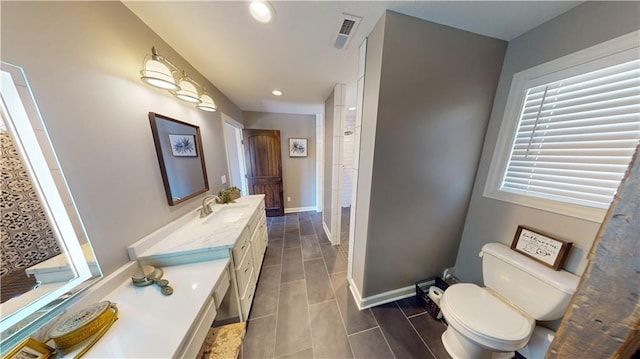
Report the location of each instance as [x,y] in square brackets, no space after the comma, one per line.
[603,318]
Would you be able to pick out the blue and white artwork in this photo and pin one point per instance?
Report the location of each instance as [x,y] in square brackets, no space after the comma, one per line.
[297,147]
[183,145]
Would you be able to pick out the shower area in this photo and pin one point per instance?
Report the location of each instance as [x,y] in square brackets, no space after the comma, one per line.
[347,174]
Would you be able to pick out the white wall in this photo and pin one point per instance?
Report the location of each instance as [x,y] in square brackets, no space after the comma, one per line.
[327,173]
[83,61]
[334,137]
[490,220]
[233,157]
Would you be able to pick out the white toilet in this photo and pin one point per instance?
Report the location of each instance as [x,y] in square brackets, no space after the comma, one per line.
[495,320]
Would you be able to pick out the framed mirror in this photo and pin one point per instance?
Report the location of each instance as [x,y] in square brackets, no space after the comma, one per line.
[46,256]
[181,158]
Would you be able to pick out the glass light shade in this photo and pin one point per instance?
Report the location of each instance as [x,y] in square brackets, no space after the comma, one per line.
[187,92]
[261,11]
[207,103]
[157,74]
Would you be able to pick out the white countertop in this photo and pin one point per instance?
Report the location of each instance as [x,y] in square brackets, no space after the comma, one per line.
[151,325]
[57,269]
[192,234]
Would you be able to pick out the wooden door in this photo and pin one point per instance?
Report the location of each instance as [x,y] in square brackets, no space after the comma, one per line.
[264,168]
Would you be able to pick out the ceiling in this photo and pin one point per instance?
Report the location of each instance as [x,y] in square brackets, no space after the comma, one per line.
[246,59]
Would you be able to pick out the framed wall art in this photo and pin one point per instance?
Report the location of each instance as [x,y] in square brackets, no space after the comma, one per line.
[183,145]
[297,147]
[541,247]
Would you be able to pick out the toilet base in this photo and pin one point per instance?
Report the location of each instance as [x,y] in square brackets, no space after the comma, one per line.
[459,347]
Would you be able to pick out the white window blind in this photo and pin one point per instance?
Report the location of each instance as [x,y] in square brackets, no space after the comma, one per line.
[576,136]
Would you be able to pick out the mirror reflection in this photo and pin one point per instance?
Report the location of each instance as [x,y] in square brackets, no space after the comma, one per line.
[46,255]
[181,159]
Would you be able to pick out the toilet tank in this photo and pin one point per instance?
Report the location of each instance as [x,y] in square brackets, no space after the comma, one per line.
[538,290]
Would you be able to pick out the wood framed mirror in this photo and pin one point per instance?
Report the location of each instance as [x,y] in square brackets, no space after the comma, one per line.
[180,156]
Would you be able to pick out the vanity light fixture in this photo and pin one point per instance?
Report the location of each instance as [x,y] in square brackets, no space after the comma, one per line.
[207,103]
[159,72]
[276,93]
[188,91]
[262,11]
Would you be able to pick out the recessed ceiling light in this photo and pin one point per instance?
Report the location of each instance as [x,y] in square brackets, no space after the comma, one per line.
[352,108]
[262,11]
[276,93]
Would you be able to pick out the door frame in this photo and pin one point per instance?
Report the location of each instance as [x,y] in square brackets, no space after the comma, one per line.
[227,120]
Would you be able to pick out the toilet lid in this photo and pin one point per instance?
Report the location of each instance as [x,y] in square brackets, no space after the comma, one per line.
[484,314]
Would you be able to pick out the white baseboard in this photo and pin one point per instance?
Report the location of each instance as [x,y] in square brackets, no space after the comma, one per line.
[299,209]
[355,293]
[327,232]
[381,298]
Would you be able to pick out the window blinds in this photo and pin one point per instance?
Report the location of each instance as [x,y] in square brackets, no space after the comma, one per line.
[576,137]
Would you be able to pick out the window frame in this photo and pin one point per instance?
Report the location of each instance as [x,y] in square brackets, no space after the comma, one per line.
[592,58]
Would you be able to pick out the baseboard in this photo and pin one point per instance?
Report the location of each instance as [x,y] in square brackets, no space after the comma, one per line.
[355,293]
[381,298]
[327,232]
[299,209]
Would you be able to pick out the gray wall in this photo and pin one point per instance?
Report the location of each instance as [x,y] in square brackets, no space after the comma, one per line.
[437,85]
[83,60]
[329,109]
[299,173]
[490,220]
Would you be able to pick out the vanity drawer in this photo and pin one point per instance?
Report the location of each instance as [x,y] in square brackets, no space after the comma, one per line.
[221,287]
[245,271]
[257,216]
[263,239]
[247,297]
[258,244]
[241,247]
[193,342]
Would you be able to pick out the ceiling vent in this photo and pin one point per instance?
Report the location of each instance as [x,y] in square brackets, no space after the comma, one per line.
[347,26]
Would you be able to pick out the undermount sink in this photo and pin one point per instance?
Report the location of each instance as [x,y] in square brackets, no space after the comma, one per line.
[226,215]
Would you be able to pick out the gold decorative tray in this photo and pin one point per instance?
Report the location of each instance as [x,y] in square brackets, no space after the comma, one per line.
[83,324]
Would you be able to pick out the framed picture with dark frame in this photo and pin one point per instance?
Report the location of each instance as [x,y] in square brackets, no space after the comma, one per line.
[183,145]
[297,147]
[541,247]
[30,349]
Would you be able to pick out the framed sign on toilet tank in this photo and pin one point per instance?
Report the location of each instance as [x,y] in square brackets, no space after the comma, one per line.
[541,247]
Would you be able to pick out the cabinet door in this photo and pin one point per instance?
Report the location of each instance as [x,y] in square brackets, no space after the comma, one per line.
[258,245]
[245,269]
[241,247]
[247,297]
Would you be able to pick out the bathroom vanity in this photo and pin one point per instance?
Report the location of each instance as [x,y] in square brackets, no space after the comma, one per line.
[211,263]
[237,231]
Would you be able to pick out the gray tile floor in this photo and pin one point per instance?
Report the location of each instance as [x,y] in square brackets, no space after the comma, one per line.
[303,308]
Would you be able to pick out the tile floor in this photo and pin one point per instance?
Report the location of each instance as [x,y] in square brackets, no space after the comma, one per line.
[303,308]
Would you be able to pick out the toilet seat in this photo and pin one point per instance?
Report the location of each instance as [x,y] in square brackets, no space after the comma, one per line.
[485,319]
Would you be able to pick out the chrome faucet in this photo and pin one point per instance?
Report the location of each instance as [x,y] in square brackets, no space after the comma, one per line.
[206,207]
